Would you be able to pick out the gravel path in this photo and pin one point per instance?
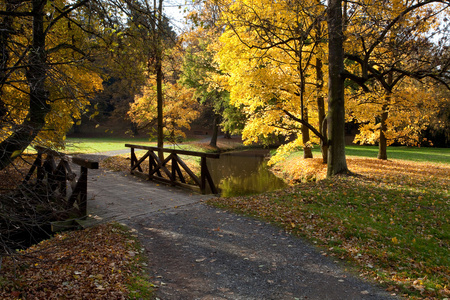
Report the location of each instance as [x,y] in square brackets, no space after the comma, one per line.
[199,252]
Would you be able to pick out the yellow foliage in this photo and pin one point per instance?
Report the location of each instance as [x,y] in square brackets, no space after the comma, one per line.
[271,70]
[410,108]
[69,81]
[180,107]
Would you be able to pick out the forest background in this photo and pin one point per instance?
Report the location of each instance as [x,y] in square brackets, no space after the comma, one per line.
[277,73]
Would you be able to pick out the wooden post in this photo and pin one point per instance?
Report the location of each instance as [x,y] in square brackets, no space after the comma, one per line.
[203,167]
[82,200]
[133,160]
[79,193]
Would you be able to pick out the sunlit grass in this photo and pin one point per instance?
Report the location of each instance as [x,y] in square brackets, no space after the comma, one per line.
[423,154]
[93,145]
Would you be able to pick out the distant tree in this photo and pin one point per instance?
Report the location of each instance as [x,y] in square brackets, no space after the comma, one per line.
[391,43]
[180,109]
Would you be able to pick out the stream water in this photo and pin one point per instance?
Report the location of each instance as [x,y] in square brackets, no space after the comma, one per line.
[243,173]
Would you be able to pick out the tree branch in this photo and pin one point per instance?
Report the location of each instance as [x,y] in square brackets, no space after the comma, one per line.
[306,124]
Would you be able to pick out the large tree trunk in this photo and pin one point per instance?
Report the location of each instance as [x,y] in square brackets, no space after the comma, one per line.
[336,109]
[36,74]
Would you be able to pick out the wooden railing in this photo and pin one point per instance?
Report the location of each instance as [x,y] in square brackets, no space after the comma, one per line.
[57,177]
[158,169]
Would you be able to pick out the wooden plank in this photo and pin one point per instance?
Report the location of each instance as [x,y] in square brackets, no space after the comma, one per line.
[37,163]
[133,160]
[189,171]
[206,177]
[176,169]
[86,163]
[176,151]
[210,180]
[138,163]
[160,165]
[48,151]
[152,163]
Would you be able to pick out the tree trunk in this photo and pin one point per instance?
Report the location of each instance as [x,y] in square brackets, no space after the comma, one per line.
[321,108]
[36,74]
[159,75]
[307,152]
[336,108]
[324,145]
[382,146]
[213,142]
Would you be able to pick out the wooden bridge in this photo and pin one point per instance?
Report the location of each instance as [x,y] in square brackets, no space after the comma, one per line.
[158,168]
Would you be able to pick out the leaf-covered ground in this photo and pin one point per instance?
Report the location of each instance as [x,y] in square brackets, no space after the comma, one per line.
[391,219]
[103,262]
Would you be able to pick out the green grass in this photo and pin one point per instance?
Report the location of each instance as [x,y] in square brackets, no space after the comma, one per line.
[423,154]
[92,145]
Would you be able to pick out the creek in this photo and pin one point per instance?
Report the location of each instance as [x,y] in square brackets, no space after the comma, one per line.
[243,173]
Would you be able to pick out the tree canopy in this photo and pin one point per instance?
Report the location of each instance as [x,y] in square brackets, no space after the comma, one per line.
[294,72]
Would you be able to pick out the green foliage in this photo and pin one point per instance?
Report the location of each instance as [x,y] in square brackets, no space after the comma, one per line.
[197,73]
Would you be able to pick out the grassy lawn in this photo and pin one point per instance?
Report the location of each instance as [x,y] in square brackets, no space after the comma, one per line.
[391,219]
[92,145]
[434,155]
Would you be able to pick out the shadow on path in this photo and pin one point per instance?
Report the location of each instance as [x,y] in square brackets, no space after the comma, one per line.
[198,252]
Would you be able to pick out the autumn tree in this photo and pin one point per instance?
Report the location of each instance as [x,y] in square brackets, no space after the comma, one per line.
[268,52]
[130,56]
[199,70]
[393,47]
[180,109]
[45,78]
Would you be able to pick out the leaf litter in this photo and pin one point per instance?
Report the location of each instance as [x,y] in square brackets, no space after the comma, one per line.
[95,263]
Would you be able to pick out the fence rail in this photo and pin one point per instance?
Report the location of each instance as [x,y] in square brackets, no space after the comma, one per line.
[174,176]
[58,176]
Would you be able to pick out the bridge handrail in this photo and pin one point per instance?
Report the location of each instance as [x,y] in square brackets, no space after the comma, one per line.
[176,151]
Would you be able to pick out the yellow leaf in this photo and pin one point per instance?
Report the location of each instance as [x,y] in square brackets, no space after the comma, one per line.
[16,153]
